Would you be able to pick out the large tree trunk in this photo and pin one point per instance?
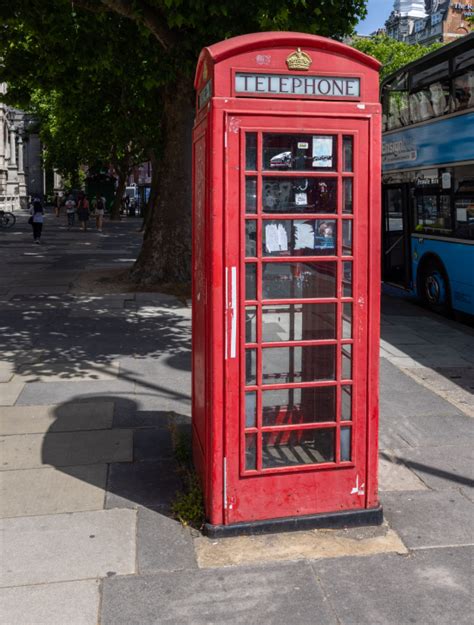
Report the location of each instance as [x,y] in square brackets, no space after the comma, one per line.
[165,256]
[122,182]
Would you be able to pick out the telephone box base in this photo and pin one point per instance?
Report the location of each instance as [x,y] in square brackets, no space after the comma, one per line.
[331,520]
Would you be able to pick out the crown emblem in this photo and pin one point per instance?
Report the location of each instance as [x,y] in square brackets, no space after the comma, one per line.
[299,60]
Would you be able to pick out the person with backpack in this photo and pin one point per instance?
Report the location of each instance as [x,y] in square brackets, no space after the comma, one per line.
[83,210]
[99,212]
[36,220]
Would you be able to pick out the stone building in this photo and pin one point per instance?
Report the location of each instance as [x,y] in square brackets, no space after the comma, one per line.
[429,21]
[21,171]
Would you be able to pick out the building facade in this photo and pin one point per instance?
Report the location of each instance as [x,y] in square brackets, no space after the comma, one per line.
[429,21]
[21,171]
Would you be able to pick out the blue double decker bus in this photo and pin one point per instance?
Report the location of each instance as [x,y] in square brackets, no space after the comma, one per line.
[428,178]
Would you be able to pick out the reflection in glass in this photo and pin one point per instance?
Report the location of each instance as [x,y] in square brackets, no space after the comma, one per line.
[299,195]
[251,366]
[250,195]
[250,409]
[347,153]
[298,364]
[346,454]
[347,237]
[298,280]
[299,152]
[298,237]
[347,195]
[290,406]
[347,321]
[250,237]
[251,452]
[347,278]
[251,324]
[346,403]
[251,151]
[250,281]
[286,449]
[298,322]
[346,362]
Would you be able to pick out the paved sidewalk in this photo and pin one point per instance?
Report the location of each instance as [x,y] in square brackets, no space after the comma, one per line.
[88,386]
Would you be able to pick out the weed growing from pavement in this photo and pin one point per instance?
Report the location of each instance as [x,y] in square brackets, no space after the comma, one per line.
[188,505]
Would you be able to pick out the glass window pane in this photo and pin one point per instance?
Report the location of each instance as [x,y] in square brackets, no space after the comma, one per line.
[251,151]
[251,452]
[346,403]
[298,322]
[251,366]
[347,195]
[347,154]
[298,364]
[299,152]
[250,281]
[347,279]
[346,452]
[347,321]
[286,449]
[251,409]
[251,195]
[299,195]
[347,237]
[290,406]
[346,362]
[298,280]
[251,324]
[298,237]
[250,237]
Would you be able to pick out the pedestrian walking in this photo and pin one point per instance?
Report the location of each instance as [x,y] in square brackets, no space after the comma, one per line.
[57,204]
[99,212]
[70,211]
[36,220]
[83,211]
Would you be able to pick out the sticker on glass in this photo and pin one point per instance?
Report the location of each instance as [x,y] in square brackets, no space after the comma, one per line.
[301,199]
[303,145]
[276,238]
[322,151]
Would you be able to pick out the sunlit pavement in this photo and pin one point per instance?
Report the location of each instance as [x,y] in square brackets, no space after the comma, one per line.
[88,387]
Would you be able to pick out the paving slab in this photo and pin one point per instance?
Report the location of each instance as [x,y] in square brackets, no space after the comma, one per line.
[152,484]
[163,544]
[68,371]
[64,603]
[63,547]
[39,393]
[10,392]
[60,418]
[431,587]
[427,430]
[271,595]
[430,519]
[395,476]
[60,449]
[442,467]
[32,492]
[152,444]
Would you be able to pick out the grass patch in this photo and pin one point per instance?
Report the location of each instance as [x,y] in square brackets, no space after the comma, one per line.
[188,505]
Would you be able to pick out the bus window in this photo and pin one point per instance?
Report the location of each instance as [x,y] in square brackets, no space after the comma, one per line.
[464,91]
[429,92]
[464,204]
[395,104]
[432,211]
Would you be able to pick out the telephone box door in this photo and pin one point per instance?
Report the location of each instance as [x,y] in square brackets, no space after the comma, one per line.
[297,191]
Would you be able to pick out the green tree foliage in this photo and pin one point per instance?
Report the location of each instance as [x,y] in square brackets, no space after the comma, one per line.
[93,84]
[391,53]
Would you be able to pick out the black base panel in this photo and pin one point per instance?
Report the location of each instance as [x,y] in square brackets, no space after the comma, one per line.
[331,520]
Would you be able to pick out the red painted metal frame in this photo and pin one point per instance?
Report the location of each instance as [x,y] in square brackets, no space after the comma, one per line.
[233,495]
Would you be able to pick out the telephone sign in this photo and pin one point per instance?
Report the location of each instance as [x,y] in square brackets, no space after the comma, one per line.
[286,279]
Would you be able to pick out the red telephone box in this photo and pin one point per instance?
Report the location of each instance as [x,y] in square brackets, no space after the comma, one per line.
[286,266]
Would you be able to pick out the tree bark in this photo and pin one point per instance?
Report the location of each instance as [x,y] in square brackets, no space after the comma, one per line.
[165,256]
[122,181]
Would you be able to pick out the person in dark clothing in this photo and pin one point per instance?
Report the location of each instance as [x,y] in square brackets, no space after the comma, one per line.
[83,211]
[36,220]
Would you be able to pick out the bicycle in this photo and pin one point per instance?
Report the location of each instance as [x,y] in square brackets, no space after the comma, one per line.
[7,219]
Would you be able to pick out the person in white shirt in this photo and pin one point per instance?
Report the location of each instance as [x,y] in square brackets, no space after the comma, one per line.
[70,211]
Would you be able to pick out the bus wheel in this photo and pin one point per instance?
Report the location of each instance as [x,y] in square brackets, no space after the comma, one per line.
[434,288]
